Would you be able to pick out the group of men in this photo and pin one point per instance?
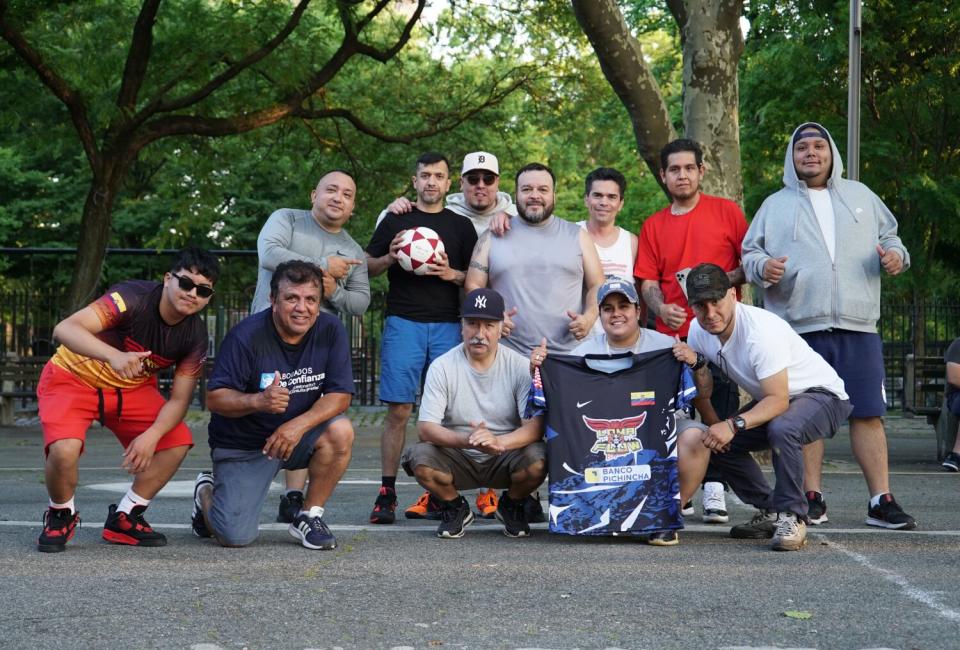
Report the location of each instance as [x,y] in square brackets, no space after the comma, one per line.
[514,283]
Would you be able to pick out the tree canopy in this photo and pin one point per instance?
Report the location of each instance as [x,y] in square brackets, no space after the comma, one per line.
[518,78]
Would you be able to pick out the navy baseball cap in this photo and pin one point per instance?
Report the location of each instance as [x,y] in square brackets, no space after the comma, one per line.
[486,304]
[617,285]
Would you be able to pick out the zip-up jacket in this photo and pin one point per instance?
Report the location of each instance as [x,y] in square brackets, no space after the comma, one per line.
[815,292]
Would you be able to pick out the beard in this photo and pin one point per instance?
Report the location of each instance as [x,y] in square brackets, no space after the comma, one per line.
[535,213]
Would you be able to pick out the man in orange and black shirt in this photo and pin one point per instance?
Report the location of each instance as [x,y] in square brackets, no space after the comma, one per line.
[105,369]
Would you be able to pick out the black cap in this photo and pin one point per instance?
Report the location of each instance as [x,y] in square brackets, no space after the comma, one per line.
[482,303]
[707,282]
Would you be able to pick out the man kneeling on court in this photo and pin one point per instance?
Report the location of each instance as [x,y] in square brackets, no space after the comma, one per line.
[471,431]
[797,399]
[277,394]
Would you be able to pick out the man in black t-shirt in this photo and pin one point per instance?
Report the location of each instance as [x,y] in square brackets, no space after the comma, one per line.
[422,311]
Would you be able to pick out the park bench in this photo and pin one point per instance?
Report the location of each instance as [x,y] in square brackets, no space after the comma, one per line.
[18,381]
[924,383]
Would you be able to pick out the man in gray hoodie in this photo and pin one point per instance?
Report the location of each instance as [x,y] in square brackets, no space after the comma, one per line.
[817,249]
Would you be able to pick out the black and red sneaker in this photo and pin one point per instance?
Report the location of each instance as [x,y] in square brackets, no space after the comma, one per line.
[131,529]
[58,529]
[384,508]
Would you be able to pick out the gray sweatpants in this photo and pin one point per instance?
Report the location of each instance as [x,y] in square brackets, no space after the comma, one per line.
[810,417]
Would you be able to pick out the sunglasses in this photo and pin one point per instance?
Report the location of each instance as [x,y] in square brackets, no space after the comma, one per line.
[186,284]
[489,178]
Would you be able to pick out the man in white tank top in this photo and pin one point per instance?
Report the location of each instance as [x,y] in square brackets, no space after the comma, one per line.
[603,195]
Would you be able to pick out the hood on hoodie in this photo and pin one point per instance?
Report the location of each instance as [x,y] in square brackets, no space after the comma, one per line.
[790,178]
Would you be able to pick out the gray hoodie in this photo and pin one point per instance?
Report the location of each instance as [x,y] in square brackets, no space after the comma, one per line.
[817,293]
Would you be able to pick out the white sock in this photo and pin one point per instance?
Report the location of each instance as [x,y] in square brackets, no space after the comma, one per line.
[287,492]
[130,500]
[315,511]
[875,499]
[66,504]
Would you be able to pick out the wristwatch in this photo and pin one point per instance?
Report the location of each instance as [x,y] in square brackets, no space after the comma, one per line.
[739,424]
[699,363]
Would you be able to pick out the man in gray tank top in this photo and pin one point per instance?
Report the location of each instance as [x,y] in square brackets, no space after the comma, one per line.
[546,269]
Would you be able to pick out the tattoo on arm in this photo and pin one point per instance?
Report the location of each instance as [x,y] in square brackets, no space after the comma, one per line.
[474,264]
[652,295]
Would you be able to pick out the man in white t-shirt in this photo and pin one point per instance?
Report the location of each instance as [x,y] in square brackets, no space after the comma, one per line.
[472,433]
[798,399]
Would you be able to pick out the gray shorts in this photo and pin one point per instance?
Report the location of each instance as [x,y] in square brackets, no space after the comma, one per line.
[469,472]
[241,480]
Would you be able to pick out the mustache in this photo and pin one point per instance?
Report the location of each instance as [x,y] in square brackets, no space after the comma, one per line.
[476,341]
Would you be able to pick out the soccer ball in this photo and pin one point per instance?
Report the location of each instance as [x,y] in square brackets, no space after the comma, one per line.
[418,248]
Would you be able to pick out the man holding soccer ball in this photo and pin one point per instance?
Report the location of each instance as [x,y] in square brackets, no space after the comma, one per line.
[422,316]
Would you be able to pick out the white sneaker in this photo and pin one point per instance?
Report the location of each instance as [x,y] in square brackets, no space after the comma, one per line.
[714,504]
[790,533]
[687,509]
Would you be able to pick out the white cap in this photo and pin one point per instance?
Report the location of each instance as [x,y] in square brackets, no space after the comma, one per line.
[480,160]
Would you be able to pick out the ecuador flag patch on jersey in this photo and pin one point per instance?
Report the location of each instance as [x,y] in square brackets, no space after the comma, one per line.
[645,398]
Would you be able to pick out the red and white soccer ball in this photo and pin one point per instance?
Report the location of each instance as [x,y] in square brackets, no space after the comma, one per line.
[419,247]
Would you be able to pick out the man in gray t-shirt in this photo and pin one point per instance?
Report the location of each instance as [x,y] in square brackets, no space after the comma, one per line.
[317,236]
[471,429]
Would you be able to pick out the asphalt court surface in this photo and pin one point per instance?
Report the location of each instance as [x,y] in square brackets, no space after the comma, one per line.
[400,587]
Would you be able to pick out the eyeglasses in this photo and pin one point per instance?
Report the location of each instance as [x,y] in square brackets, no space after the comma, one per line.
[186,284]
[474,178]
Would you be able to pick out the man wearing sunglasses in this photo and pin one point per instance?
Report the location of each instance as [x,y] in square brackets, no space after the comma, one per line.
[106,369]
[317,236]
[479,199]
[798,400]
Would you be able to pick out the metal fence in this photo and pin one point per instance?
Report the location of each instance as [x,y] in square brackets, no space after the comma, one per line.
[27,319]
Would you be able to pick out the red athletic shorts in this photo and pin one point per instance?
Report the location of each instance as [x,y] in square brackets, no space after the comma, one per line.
[68,407]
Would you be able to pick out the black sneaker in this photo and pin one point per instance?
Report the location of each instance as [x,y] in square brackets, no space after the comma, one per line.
[455,516]
[533,510]
[312,532]
[816,508]
[760,527]
[889,514]
[384,507]
[58,529]
[664,538]
[132,529]
[197,523]
[952,462]
[513,515]
[291,504]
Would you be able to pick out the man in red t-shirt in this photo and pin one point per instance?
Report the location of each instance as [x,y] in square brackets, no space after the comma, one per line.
[695,228]
[105,369]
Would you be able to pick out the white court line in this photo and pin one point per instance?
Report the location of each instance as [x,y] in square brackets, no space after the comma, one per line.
[922,596]
[721,531]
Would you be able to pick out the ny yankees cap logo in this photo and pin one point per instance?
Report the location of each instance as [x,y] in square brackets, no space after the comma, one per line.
[482,303]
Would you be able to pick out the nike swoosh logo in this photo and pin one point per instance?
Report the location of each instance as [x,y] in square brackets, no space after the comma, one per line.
[580,405]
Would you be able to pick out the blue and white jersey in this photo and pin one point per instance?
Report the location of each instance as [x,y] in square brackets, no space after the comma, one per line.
[612,443]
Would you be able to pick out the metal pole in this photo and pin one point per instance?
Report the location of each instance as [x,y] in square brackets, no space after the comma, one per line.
[853,92]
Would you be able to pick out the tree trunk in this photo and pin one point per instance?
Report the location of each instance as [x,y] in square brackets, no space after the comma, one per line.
[94,236]
[712,46]
[621,60]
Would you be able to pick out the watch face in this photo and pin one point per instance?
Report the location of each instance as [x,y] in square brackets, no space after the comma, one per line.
[739,423]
